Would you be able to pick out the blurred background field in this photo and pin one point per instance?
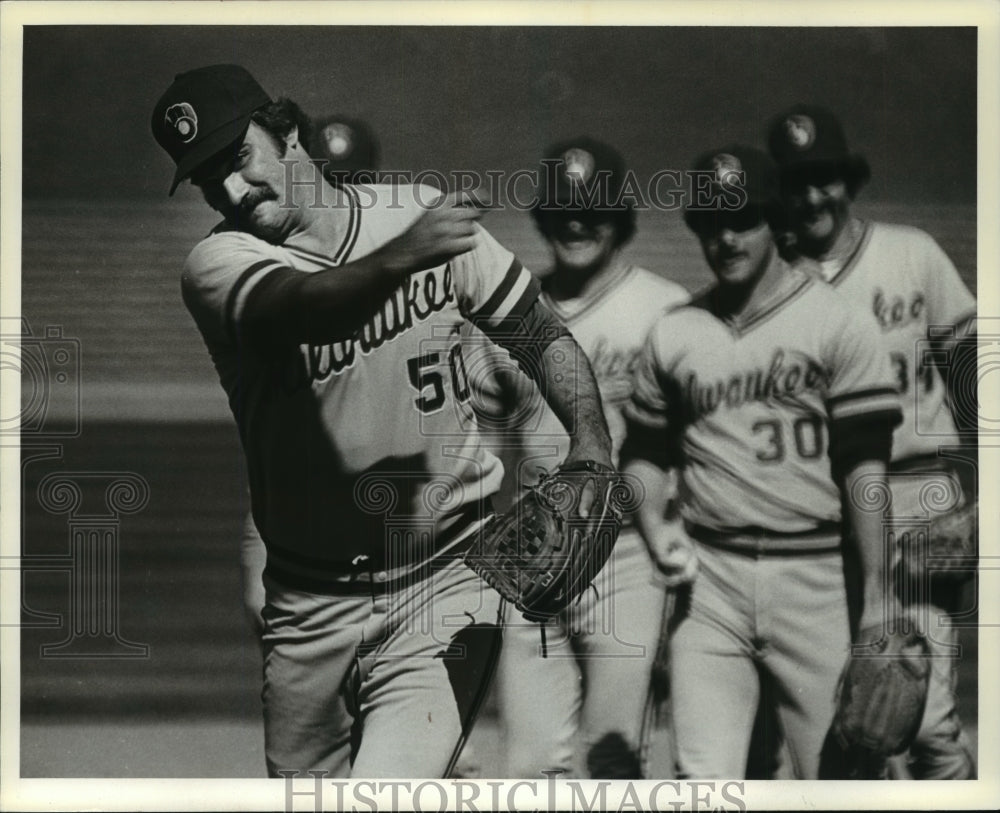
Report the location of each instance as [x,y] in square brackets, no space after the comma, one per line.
[102,247]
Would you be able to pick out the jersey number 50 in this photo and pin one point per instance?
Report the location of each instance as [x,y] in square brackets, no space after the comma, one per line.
[427,379]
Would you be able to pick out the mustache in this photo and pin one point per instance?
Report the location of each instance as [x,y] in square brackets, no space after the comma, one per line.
[252,200]
[817,208]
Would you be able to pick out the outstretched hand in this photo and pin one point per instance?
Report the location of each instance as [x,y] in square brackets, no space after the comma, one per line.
[443,231]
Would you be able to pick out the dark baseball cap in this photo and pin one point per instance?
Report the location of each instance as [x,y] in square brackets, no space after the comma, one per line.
[737,166]
[723,176]
[348,145]
[808,135]
[581,172]
[204,111]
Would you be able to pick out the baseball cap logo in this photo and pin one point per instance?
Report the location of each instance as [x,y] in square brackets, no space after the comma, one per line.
[339,139]
[183,120]
[800,131]
[579,165]
[727,169]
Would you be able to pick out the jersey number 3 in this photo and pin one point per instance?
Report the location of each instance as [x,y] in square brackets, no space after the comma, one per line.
[428,380]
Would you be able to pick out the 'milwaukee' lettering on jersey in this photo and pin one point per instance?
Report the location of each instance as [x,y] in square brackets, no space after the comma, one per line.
[896,313]
[423,296]
[784,380]
[610,362]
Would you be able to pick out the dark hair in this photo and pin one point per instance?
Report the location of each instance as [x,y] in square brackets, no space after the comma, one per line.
[857,174]
[279,118]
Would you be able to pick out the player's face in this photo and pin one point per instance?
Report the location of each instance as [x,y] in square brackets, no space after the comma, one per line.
[249,188]
[818,206]
[583,242]
[737,245]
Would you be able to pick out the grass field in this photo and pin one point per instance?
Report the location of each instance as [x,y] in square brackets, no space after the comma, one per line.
[108,277]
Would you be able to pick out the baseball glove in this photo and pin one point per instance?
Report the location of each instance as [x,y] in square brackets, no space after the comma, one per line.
[541,555]
[881,697]
[947,554]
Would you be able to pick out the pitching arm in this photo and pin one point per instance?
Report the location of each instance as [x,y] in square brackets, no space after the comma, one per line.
[552,359]
[267,305]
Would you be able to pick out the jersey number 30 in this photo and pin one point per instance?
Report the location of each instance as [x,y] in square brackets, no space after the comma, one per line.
[807,433]
[428,380]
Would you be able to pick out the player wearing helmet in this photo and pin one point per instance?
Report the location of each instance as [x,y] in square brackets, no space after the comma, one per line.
[589,668]
[901,277]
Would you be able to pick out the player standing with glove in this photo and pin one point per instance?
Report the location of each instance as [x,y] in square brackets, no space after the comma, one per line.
[902,277]
[335,332]
[776,403]
[588,668]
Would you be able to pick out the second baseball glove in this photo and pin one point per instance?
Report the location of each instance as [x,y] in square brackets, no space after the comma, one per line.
[541,555]
[947,554]
[881,696]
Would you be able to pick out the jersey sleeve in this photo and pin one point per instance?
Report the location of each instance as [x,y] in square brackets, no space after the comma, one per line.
[650,404]
[861,381]
[862,399]
[491,283]
[949,301]
[219,275]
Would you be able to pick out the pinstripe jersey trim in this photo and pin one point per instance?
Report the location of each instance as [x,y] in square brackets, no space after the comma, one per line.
[593,298]
[852,261]
[241,289]
[512,297]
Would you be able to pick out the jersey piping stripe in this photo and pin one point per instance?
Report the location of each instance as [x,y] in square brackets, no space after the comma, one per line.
[852,260]
[743,327]
[241,288]
[353,227]
[310,257]
[594,298]
[350,237]
[518,289]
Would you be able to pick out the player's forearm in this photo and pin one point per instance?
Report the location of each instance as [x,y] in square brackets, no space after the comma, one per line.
[865,531]
[570,389]
[658,488]
[290,307]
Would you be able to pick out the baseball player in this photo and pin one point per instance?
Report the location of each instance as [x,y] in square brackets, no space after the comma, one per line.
[903,278]
[334,331]
[775,401]
[589,668]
